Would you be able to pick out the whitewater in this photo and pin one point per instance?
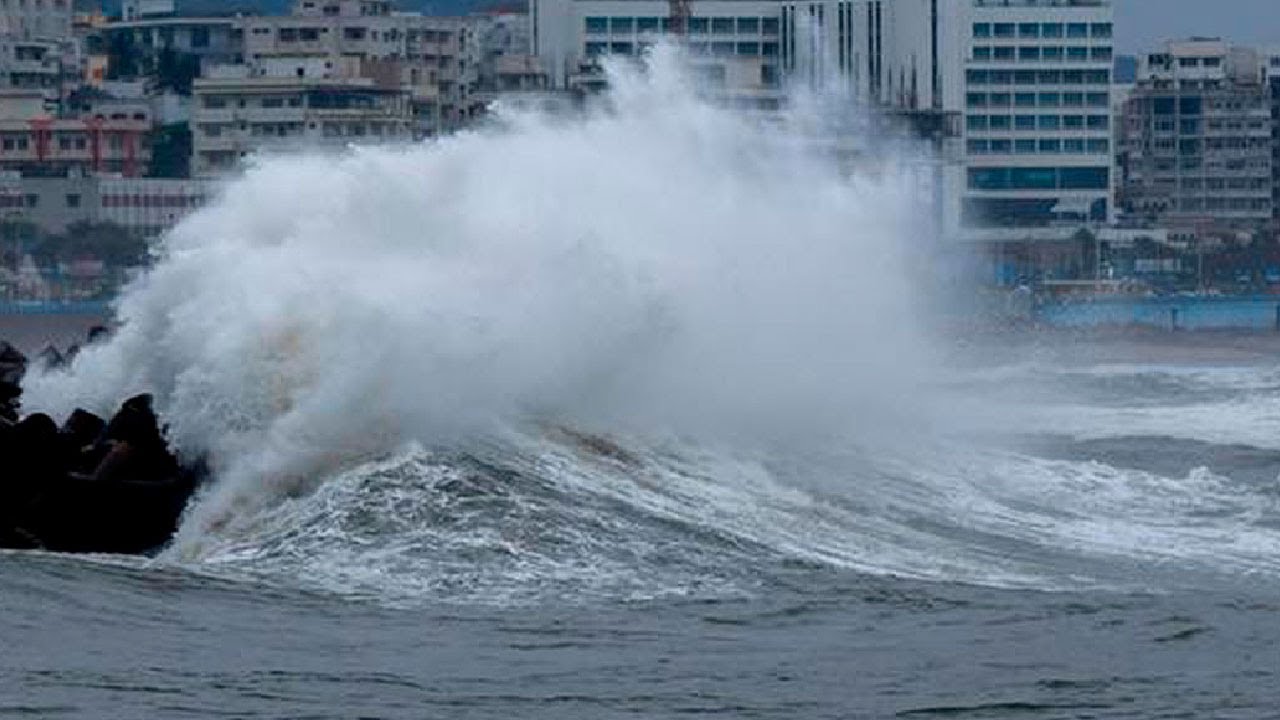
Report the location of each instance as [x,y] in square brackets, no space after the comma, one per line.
[643,409]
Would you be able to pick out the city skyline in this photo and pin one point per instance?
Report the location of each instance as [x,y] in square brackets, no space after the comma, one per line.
[1142,25]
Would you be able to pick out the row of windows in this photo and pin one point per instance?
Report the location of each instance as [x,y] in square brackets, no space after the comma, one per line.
[719,49]
[1021,123]
[1048,99]
[158,201]
[1039,30]
[696,26]
[1034,53]
[1044,146]
[1219,183]
[1196,204]
[1048,77]
[1039,178]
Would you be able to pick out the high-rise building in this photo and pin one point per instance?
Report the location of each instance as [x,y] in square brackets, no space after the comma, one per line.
[1197,147]
[1037,102]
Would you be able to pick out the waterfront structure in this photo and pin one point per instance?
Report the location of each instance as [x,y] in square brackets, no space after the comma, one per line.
[1197,148]
[235,114]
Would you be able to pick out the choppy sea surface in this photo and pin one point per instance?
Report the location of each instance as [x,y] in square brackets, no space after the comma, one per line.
[1101,541]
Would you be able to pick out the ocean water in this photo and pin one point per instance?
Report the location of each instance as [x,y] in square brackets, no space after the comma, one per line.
[638,414]
[1132,570]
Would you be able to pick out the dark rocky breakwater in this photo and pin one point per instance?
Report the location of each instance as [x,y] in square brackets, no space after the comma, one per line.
[88,485]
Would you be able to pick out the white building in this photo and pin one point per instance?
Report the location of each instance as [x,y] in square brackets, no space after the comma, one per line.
[1037,103]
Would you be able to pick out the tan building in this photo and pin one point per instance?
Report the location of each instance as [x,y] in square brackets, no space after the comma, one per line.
[235,117]
[437,59]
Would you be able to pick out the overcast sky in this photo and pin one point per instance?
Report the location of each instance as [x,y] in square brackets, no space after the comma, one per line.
[1141,24]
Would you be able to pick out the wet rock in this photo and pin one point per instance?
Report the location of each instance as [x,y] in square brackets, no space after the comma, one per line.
[13,366]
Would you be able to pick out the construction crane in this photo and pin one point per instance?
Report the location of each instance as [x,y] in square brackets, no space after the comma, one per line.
[678,21]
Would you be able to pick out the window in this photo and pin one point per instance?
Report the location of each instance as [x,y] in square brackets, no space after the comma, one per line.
[769,49]
[722,26]
[1050,99]
[1002,53]
[1073,99]
[999,122]
[1050,146]
[1073,122]
[981,52]
[1024,99]
[1077,53]
[1001,147]
[1050,122]
[1051,30]
[999,99]
[1024,122]
[1074,147]
[1073,77]
[648,24]
[1077,30]
[748,25]
[749,48]
[1097,99]
[978,147]
[1049,77]
[1097,77]
[1189,127]
[976,100]
[999,77]
[769,26]
[1188,62]
[1028,30]
[622,48]
[1051,54]
[597,24]
[621,25]
[1004,30]
[1163,106]
[1190,105]
[982,30]
[1024,77]
[1094,178]
[1024,147]
[596,48]
[215,103]
[1099,122]
[1100,30]
[73,200]
[976,122]
[1029,53]
[698,25]
[1214,62]
[1100,54]
[353,33]
[976,77]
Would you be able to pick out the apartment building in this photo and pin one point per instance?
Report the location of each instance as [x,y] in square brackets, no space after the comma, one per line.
[437,59]
[236,114]
[1197,148]
[36,19]
[33,142]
